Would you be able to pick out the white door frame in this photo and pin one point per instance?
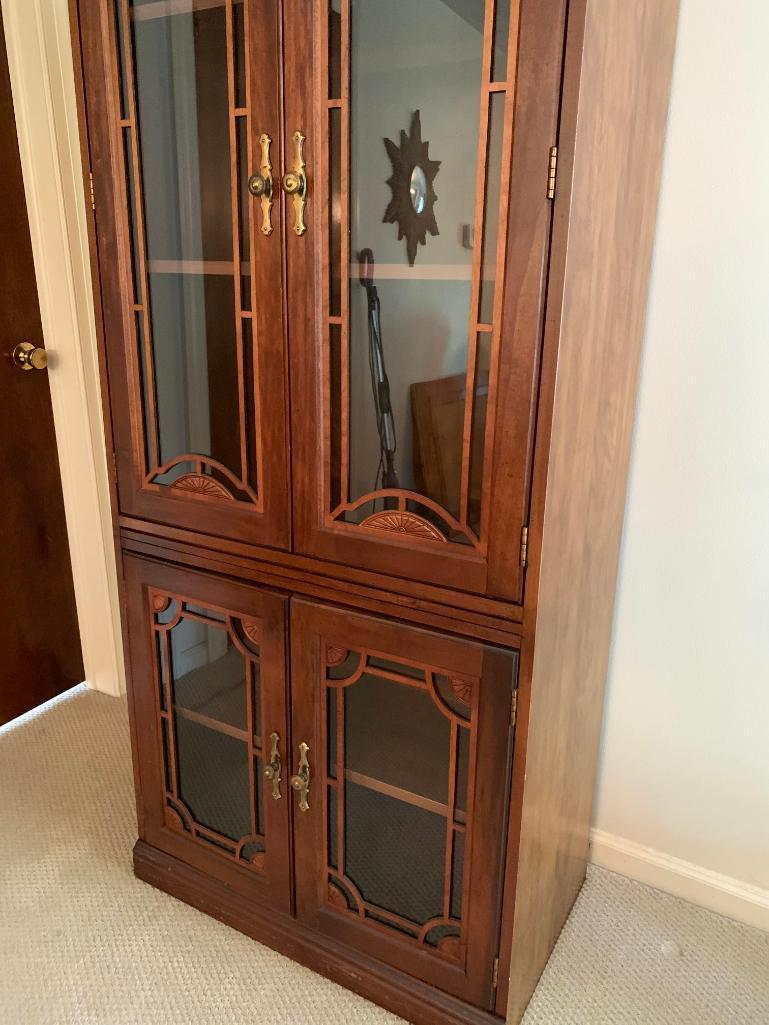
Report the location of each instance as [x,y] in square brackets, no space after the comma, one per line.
[42,78]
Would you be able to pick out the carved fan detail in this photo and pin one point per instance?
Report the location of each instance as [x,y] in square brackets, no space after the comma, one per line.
[404,523]
[449,946]
[462,689]
[335,655]
[160,602]
[201,485]
[251,630]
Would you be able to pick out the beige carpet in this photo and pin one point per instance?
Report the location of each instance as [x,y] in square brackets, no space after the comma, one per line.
[84,943]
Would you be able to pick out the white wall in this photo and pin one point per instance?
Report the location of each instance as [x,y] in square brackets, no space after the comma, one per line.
[686,751]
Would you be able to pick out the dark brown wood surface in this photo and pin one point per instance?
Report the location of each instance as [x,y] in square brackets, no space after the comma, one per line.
[39,636]
[617,82]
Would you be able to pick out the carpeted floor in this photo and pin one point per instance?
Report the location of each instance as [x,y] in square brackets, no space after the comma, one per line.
[84,943]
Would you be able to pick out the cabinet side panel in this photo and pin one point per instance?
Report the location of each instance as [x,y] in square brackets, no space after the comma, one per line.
[616,90]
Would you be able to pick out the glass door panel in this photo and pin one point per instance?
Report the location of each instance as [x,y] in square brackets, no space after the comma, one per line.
[208,670]
[416,133]
[404,729]
[413,205]
[200,310]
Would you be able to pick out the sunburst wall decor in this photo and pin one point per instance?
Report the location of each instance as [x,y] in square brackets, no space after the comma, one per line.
[413,201]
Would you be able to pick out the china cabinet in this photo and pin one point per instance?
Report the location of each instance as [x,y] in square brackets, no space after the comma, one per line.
[370,282]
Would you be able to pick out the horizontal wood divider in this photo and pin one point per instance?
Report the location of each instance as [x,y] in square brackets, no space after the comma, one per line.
[466,614]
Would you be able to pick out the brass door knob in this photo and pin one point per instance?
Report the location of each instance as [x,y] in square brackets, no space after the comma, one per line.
[27,356]
[272,771]
[258,185]
[293,183]
[301,782]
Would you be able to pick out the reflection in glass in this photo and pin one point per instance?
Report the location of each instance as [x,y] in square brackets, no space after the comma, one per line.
[418,190]
[209,673]
[407,56]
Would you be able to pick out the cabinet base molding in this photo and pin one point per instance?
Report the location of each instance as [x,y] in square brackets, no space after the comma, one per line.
[403,995]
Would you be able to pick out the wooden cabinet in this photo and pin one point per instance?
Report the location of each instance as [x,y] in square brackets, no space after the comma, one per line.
[370,283]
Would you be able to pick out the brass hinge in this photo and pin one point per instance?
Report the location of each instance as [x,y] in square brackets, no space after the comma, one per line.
[495,976]
[514,708]
[93,198]
[524,546]
[552,174]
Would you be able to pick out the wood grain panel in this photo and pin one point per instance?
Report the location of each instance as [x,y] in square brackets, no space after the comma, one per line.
[619,60]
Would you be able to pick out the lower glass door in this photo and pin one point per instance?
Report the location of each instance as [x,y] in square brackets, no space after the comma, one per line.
[397,843]
[208,673]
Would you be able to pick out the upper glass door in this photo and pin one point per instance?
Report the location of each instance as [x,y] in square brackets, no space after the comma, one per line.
[422,369]
[195,138]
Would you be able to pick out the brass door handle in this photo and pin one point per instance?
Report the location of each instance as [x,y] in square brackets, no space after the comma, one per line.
[272,771]
[295,184]
[260,185]
[301,782]
[27,356]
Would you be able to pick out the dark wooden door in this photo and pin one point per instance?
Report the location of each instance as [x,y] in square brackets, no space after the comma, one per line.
[416,294]
[39,637]
[405,737]
[208,693]
[182,101]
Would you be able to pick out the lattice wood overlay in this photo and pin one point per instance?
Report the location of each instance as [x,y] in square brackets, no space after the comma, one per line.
[178,816]
[342,893]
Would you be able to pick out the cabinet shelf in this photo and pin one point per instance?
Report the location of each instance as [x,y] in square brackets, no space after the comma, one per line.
[168,8]
[460,818]
[217,725]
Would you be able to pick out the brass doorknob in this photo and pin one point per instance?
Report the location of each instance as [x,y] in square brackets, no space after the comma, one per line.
[27,356]
[293,182]
[301,782]
[259,186]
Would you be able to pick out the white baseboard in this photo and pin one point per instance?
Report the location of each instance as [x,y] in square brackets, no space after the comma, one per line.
[727,896]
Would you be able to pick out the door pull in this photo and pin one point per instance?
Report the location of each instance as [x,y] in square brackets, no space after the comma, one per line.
[295,184]
[301,781]
[260,185]
[272,771]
